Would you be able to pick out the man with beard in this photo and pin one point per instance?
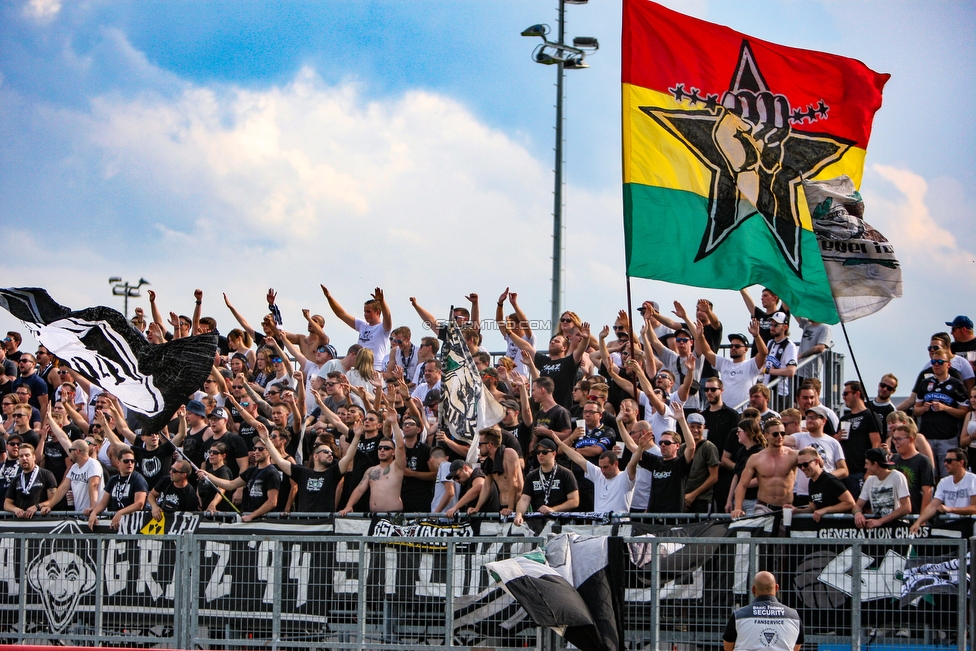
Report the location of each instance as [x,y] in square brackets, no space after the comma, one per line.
[30,487]
[174,493]
[720,420]
[561,364]
[669,470]
[317,486]
[738,372]
[775,470]
[125,493]
[384,480]
[418,479]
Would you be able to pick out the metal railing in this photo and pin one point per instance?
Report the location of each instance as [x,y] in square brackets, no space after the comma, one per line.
[290,590]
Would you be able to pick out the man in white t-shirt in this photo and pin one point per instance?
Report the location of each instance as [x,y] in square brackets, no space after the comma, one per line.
[885,489]
[84,479]
[828,447]
[956,492]
[737,371]
[516,324]
[374,328]
[613,490]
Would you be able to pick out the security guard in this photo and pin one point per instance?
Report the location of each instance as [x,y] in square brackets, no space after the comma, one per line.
[765,624]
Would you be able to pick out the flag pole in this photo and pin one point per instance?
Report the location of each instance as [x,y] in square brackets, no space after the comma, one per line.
[630,326]
[857,371]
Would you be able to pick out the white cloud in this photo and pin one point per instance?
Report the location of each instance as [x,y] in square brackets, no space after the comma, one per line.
[42,10]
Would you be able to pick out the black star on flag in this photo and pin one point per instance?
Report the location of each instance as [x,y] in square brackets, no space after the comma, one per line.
[755,159]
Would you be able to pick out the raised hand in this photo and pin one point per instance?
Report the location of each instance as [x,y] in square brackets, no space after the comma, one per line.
[198,294]
[272,295]
[504,296]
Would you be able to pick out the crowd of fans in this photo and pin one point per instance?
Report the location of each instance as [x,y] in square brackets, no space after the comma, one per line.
[658,416]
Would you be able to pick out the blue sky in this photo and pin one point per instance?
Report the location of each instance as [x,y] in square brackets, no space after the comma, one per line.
[234,146]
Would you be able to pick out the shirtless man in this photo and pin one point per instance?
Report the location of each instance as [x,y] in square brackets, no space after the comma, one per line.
[502,468]
[774,468]
[383,480]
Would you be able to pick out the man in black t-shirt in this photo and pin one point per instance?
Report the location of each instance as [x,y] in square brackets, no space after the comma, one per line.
[174,493]
[316,485]
[552,419]
[471,480]
[827,493]
[31,487]
[154,457]
[550,487]
[260,482]
[859,432]
[669,471]
[125,492]
[417,489]
[236,459]
[562,362]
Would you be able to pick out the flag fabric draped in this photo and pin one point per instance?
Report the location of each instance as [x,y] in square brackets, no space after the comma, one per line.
[864,271]
[465,406]
[719,131]
[570,587]
[100,344]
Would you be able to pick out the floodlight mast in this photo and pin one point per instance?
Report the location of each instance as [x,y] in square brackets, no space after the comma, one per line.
[564,57]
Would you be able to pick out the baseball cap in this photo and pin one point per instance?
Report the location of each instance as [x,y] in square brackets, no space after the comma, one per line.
[682,330]
[196,407]
[820,410]
[510,404]
[456,465]
[549,444]
[779,317]
[879,456]
[432,398]
[218,412]
[741,337]
[696,418]
[17,437]
[961,321]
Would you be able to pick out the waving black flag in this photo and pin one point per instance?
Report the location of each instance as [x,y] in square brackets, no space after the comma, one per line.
[99,343]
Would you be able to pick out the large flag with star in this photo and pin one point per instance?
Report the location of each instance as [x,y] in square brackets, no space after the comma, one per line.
[719,131]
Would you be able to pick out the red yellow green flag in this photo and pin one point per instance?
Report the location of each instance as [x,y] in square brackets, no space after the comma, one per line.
[719,131]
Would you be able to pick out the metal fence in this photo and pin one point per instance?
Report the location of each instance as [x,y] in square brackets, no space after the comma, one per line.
[344,592]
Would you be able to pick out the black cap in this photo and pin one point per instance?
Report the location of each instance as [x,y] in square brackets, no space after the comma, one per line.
[879,456]
[456,465]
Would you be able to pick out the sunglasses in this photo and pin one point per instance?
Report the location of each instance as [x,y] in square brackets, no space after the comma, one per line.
[682,340]
[321,349]
[542,451]
[245,404]
[932,349]
[939,362]
[590,411]
[950,460]
[565,320]
[127,461]
[804,465]
[331,384]
[737,346]
[178,472]
[711,389]
[325,451]
[276,360]
[665,444]
[257,449]
[882,385]
[385,447]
